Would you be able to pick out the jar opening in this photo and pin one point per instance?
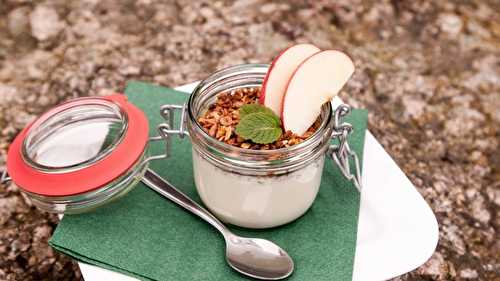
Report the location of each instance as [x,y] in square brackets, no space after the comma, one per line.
[229,156]
[74,135]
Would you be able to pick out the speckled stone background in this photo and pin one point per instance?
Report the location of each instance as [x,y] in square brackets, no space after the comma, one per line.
[428,71]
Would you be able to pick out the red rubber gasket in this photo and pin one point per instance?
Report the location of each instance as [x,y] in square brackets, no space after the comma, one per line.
[124,156]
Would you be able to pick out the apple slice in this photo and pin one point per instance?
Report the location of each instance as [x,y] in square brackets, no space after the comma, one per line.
[279,73]
[317,80]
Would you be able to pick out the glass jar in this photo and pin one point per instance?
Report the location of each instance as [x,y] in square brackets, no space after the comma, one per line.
[81,154]
[253,188]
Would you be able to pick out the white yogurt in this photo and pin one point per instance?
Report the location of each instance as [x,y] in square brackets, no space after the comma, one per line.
[257,201]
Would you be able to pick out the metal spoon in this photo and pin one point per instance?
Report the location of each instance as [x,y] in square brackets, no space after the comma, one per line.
[257,258]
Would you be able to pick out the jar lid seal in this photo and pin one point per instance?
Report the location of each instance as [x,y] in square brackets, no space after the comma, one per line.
[78,146]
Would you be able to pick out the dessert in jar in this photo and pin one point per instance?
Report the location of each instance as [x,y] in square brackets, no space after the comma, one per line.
[259,135]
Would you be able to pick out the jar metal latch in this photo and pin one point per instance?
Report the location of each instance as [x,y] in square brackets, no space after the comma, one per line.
[341,153]
[4,178]
[166,130]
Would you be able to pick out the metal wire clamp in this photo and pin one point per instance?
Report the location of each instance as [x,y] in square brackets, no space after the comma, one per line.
[165,130]
[4,178]
[341,153]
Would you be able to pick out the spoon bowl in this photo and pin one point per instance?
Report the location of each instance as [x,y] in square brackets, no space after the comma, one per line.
[258,258]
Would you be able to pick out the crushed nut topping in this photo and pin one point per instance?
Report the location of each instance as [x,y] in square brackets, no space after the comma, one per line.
[221,118]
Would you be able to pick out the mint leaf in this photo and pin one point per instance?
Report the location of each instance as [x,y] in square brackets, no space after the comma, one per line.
[260,127]
[254,108]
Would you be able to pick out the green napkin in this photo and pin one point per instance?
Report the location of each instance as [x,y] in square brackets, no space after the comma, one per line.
[151,238]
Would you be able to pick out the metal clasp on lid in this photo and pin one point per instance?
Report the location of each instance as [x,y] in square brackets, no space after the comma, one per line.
[167,111]
[342,154]
[4,177]
[165,130]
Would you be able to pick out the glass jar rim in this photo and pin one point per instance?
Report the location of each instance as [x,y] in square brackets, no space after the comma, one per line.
[65,108]
[103,171]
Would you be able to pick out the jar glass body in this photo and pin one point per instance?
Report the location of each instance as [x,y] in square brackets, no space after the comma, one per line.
[253,188]
[89,201]
[73,137]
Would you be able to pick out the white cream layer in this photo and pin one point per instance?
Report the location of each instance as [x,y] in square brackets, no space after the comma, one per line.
[256,201]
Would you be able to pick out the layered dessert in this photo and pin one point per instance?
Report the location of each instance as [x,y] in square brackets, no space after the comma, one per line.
[268,122]
[223,117]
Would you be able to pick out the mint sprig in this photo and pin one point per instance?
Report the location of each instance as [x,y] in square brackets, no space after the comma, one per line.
[258,124]
[254,108]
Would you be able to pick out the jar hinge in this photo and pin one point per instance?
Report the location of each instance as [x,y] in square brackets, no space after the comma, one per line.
[341,153]
[166,130]
[4,177]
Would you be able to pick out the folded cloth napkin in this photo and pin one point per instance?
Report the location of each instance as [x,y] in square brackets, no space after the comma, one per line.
[151,238]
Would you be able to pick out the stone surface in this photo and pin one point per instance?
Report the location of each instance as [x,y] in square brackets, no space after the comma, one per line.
[18,21]
[44,23]
[428,72]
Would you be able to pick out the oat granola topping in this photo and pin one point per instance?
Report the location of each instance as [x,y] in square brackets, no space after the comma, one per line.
[222,117]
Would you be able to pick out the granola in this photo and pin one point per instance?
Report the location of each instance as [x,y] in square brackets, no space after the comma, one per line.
[222,117]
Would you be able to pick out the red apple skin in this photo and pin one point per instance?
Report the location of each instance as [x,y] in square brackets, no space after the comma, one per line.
[273,63]
[288,84]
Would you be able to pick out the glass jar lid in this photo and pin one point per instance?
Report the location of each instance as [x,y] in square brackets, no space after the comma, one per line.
[74,136]
[78,146]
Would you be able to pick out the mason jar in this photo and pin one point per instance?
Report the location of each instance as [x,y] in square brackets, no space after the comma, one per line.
[253,188]
[81,154]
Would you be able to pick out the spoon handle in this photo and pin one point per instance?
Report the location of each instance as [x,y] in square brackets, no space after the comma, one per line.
[166,189]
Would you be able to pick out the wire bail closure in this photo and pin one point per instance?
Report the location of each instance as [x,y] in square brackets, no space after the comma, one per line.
[4,177]
[165,130]
[342,154]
